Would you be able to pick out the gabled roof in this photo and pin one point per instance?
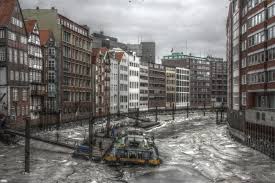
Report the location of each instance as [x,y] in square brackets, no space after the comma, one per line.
[30,25]
[45,35]
[6,10]
[119,56]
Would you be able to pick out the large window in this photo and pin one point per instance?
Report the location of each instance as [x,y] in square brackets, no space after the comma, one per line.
[2,54]
[2,34]
[12,36]
[271,11]
[16,22]
[256,39]
[257,19]
[15,94]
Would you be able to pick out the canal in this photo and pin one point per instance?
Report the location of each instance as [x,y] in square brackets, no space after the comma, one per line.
[192,150]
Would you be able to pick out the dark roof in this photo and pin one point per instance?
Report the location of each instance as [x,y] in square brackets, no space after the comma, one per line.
[6,10]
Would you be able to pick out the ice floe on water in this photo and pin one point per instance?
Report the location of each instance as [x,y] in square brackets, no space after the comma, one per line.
[193,149]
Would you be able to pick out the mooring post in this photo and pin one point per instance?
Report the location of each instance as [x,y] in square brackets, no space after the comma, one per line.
[204,109]
[156,115]
[187,111]
[91,125]
[27,145]
[173,112]
[217,116]
[108,124]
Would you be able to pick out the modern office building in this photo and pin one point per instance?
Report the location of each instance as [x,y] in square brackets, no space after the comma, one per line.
[170,87]
[144,84]
[100,57]
[14,65]
[200,76]
[218,82]
[182,87]
[134,84]
[101,40]
[148,52]
[251,66]
[157,86]
[36,71]
[74,62]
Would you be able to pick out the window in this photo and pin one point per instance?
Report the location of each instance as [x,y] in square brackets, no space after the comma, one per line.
[21,55]
[11,36]
[26,59]
[256,39]
[10,55]
[11,75]
[2,54]
[16,22]
[23,40]
[15,58]
[15,94]
[2,34]
[66,37]
[16,76]
[24,95]
[244,98]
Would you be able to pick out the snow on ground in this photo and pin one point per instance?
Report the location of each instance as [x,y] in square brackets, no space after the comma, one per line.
[192,150]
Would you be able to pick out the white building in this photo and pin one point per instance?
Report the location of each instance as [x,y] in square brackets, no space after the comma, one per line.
[134,69]
[182,87]
[118,81]
[144,83]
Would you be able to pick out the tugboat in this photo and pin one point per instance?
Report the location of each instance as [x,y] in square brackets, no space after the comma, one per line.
[133,146]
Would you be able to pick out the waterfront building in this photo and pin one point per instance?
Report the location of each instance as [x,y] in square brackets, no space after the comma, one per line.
[14,65]
[100,58]
[200,76]
[170,87]
[157,86]
[74,63]
[134,84]
[144,84]
[251,71]
[36,72]
[119,81]
[182,87]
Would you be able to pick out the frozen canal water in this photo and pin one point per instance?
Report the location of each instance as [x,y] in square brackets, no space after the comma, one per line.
[193,150]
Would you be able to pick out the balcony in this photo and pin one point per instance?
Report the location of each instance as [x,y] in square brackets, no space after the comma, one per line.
[261,116]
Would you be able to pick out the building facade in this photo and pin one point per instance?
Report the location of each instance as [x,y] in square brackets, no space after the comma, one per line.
[119,81]
[74,62]
[36,72]
[251,63]
[157,86]
[134,84]
[170,87]
[218,82]
[200,76]
[144,84]
[182,87]
[100,57]
[14,65]
[148,52]
[51,74]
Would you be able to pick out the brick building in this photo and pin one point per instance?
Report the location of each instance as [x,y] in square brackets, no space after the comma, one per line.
[157,86]
[100,57]
[251,66]
[14,65]
[74,62]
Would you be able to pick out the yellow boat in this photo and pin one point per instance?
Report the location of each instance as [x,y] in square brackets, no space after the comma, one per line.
[133,147]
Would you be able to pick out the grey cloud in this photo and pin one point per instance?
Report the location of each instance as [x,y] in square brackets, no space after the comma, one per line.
[168,22]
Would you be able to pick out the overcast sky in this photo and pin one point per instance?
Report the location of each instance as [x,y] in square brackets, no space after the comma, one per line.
[170,23]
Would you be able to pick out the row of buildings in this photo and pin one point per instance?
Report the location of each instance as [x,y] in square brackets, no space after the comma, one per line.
[53,69]
[251,70]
